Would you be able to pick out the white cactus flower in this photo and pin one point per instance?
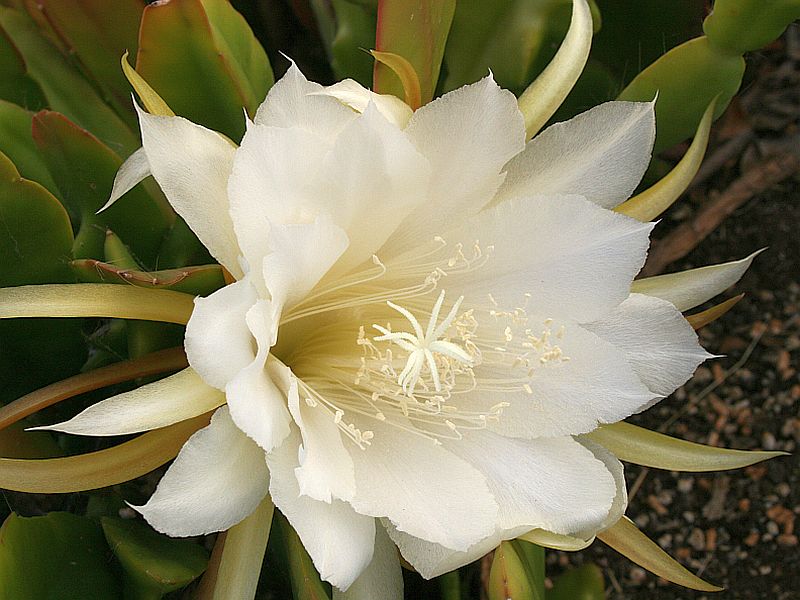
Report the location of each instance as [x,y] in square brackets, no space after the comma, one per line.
[427,315]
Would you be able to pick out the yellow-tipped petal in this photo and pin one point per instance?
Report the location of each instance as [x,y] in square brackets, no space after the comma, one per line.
[705,317]
[651,449]
[406,73]
[625,538]
[239,567]
[98,469]
[543,97]
[162,361]
[547,539]
[154,103]
[647,205]
[95,300]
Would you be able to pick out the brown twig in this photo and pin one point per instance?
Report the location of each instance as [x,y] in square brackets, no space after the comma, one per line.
[687,236]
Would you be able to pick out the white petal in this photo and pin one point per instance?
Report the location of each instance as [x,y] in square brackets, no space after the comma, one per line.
[192,165]
[548,483]
[596,385]
[218,478]
[658,342]
[620,502]
[301,255]
[170,400]
[687,289]
[257,395]
[601,154]
[576,259]
[295,102]
[383,578]
[357,97]
[276,173]
[375,178]
[422,488]
[530,478]
[218,342]
[339,540]
[326,469]
[366,182]
[467,135]
[131,172]
[431,560]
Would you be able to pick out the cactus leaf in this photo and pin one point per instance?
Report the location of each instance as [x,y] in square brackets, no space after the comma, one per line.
[417,31]
[739,26]
[64,87]
[686,79]
[97,32]
[84,170]
[203,59]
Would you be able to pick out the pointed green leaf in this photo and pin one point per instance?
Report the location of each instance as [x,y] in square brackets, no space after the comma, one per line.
[64,87]
[509,577]
[36,245]
[98,32]
[582,583]
[686,79]
[59,555]
[649,448]
[15,84]
[16,142]
[416,30]
[625,538]
[739,26]
[203,59]
[242,555]
[355,32]
[84,171]
[306,583]
[153,563]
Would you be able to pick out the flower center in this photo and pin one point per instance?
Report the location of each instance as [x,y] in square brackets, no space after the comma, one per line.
[457,372]
[426,350]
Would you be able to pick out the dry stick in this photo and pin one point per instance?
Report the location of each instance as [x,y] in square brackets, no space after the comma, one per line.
[686,237]
[162,361]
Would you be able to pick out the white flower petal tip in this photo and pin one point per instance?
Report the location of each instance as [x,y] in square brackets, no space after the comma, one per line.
[600,154]
[687,289]
[653,201]
[134,170]
[191,164]
[218,478]
[170,400]
[543,97]
[357,97]
[383,577]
